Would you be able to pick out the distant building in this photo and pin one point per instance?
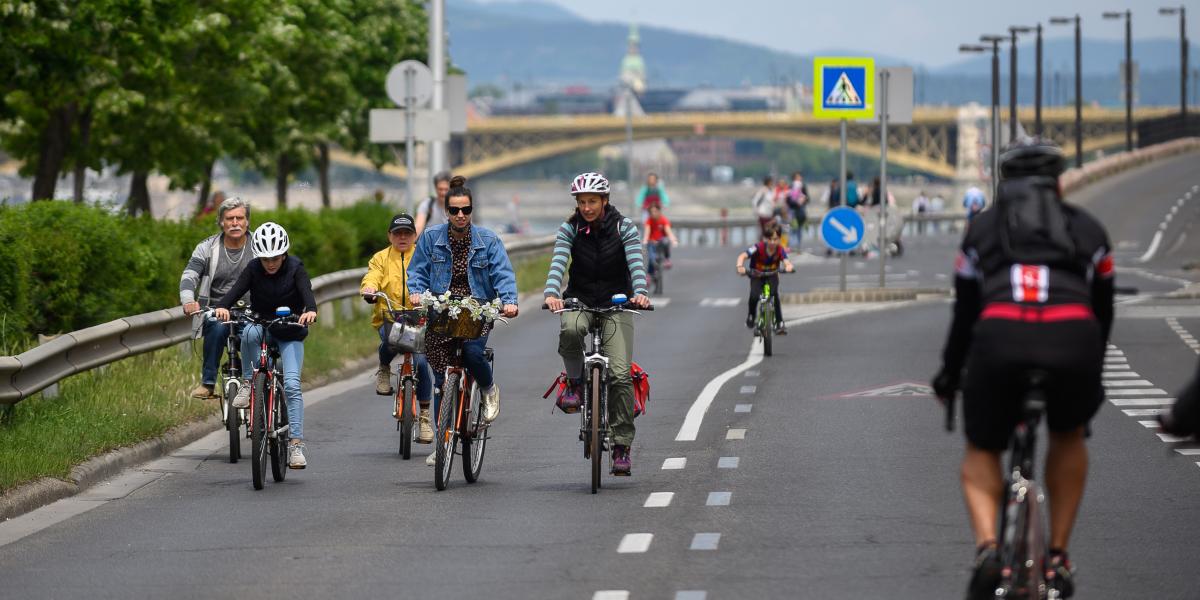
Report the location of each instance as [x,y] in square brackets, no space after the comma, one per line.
[633,68]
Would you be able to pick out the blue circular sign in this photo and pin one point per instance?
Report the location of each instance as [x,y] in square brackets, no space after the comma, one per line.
[842,229]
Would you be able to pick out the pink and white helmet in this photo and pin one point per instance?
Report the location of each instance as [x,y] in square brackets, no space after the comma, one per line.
[590,183]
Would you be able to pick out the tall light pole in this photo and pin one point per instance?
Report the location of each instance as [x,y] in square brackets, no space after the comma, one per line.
[977,49]
[1078,85]
[437,64]
[1183,61]
[1037,85]
[1012,81]
[1128,73]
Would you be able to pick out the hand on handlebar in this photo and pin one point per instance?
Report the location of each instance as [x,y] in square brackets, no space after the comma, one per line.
[368,294]
[509,310]
[741,270]
[191,308]
[221,314]
[640,301]
[554,303]
[307,318]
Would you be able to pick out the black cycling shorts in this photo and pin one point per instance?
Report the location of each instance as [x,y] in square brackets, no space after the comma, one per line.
[1004,352]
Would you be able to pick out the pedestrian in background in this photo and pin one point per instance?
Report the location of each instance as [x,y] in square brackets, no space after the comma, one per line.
[797,202]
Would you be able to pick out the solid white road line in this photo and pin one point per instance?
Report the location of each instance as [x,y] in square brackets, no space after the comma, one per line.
[718,498]
[695,414]
[635,543]
[735,434]
[1154,242]
[659,500]
[675,463]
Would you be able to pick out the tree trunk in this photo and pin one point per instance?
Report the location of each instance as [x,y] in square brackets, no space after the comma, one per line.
[85,135]
[323,173]
[139,195]
[281,180]
[205,188]
[53,151]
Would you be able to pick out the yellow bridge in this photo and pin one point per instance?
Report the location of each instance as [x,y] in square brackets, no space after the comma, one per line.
[944,142]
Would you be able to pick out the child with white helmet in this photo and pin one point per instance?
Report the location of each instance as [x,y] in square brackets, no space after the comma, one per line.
[276,279]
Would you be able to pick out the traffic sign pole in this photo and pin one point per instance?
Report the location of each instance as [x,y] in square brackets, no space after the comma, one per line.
[410,102]
[842,202]
[884,75]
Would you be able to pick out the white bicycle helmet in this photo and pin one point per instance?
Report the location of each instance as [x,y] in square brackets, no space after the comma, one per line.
[270,240]
[590,183]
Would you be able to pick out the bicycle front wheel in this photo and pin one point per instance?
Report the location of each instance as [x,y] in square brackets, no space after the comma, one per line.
[279,442]
[233,421]
[593,404]
[475,440]
[768,325]
[258,430]
[404,403]
[447,437]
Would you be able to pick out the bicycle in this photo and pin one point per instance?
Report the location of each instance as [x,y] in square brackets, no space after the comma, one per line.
[764,318]
[1021,544]
[407,336]
[655,258]
[594,429]
[460,413]
[268,405]
[231,374]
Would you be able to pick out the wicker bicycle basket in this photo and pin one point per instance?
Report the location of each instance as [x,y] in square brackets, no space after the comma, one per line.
[464,326]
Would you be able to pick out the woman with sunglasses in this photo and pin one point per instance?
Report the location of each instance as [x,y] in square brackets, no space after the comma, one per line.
[467,260]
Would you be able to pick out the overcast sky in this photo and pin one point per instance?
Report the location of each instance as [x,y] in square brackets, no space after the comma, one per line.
[925,31]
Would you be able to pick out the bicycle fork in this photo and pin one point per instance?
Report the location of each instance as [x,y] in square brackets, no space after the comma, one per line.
[590,363]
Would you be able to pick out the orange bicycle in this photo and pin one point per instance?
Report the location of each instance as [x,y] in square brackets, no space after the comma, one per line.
[406,336]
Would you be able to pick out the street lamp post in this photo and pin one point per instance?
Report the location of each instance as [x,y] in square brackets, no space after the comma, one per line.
[994,40]
[1128,73]
[1037,85]
[1078,85]
[1183,60]
[1012,81]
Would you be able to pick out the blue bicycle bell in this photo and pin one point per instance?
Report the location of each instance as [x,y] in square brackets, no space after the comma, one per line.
[283,311]
[619,299]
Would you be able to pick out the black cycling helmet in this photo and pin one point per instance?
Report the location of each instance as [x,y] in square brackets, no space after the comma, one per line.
[1034,156]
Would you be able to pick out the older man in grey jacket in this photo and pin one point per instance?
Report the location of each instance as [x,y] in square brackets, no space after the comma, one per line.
[214,266]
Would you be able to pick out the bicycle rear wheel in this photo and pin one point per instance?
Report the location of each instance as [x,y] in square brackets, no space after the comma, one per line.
[258,430]
[1022,562]
[447,437]
[233,421]
[405,401]
[593,404]
[279,442]
[475,440]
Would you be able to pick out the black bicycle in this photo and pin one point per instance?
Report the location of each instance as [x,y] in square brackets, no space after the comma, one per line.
[1021,544]
[594,430]
[268,402]
[231,380]
[656,252]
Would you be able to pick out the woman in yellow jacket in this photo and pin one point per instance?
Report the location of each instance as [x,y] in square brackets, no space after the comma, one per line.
[387,273]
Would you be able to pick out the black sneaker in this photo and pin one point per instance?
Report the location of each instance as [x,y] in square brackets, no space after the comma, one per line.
[621,465]
[750,322]
[985,577]
[1060,574]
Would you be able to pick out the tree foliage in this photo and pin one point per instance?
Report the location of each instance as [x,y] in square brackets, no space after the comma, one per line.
[170,87]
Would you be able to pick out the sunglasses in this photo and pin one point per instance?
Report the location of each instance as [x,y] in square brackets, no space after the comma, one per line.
[454,210]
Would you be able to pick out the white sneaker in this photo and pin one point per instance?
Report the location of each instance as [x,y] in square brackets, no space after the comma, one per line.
[383,381]
[296,457]
[431,460]
[424,428]
[491,403]
[242,399]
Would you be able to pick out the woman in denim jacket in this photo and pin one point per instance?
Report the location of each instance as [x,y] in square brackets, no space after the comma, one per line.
[466,260]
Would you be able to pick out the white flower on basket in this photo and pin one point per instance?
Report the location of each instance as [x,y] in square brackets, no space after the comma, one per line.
[454,311]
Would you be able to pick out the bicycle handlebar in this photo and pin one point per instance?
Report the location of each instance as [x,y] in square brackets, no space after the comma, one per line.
[391,307]
[573,304]
[756,273]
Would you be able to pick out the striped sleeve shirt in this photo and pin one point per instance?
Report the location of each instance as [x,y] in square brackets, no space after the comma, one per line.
[562,254]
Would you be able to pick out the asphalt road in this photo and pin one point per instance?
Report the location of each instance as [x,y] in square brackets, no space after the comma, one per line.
[821,472]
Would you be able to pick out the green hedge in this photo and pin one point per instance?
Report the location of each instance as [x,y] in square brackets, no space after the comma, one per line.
[65,266]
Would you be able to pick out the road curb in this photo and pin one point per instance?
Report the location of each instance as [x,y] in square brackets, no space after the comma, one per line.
[41,492]
[821,295]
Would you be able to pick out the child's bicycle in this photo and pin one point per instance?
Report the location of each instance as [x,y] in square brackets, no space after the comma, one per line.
[764,317]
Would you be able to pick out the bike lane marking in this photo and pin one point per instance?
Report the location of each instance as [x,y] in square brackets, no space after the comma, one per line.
[635,543]
[691,595]
[705,541]
[674,463]
[728,462]
[611,595]
[659,500]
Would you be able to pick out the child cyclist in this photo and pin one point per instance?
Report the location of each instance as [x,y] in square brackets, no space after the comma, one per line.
[766,257]
[275,279]
[658,234]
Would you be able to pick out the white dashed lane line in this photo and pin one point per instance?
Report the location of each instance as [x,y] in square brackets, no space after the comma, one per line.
[705,541]
[1135,391]
[748,389]
[635,543]
[611,595]
[718,498]
[1188,339]
[735,434]
[742,408]
[691,595]
[728,462]
[659,500]
[674,463]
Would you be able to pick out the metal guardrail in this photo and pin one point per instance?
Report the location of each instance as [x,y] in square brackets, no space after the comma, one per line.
[71,353]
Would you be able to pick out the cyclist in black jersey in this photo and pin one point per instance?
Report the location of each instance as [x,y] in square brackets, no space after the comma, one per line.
[1034,285]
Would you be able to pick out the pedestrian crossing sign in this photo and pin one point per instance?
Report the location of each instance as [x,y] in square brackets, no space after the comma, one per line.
[843,88]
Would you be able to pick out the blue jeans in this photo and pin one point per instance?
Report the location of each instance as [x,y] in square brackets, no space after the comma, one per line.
[291,355]
[652,250]
[421,368]
[215,335]
[476,364]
